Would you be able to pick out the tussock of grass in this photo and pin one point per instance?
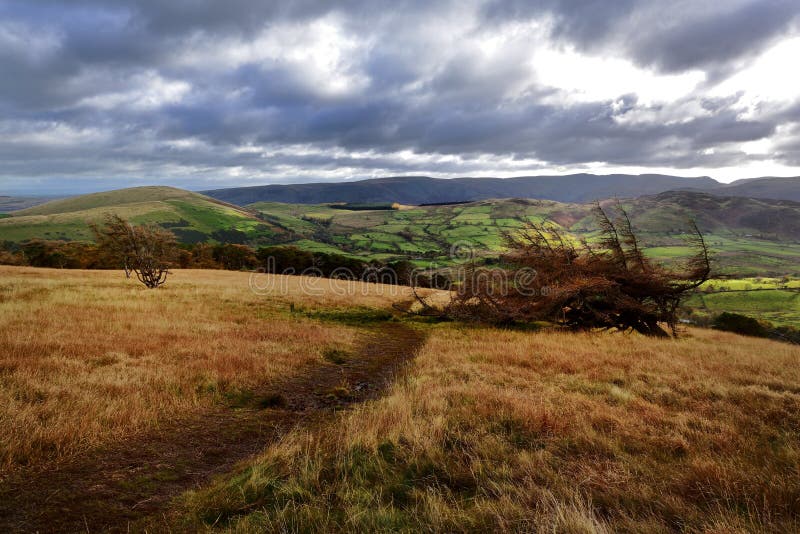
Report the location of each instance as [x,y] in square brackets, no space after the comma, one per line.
[352,316]
[272,400]
[499,430]
[336,356]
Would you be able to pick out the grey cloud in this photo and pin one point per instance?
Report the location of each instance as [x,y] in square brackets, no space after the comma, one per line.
[718,38]
[672,36]
[584,22]
[426,88]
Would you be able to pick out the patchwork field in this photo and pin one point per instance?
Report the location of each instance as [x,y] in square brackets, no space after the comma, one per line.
[750,237]
[120,400]
[746,240]
[779,307]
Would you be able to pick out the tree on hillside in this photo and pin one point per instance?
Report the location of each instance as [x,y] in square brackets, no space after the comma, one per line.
[234,257]
[145,250]
[59,254]
[608,285]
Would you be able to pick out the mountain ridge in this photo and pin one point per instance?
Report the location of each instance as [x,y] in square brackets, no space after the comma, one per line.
[425,190]
[583,187]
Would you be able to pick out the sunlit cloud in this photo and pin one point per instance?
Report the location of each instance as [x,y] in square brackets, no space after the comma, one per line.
[98,95]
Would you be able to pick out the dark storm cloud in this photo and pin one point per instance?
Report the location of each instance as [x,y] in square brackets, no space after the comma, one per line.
[672,36]
[202,91]
[718,38]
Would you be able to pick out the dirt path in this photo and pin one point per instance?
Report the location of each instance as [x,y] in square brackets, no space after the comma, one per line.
[108,489]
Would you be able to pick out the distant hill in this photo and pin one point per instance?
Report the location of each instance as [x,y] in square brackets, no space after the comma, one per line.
[424,190]
[777,188]
[766,220]
[108,199]
[9,204]
[192,216]
[418,190]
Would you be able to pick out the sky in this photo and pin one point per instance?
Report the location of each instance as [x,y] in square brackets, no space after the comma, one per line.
[201,94]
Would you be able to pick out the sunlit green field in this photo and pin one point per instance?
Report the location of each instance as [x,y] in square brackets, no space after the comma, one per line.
[430,232]
[780,307]
[776,300]
[192,217]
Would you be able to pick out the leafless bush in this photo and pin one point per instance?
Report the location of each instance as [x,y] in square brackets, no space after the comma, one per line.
[551,277]
[145,250]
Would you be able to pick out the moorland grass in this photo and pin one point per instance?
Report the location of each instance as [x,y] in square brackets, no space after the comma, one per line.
[498,430]
[490,430]
[88,357]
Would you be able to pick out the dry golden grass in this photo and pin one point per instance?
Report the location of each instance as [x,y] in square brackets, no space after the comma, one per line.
[492,430]
[510,431]
[88,356]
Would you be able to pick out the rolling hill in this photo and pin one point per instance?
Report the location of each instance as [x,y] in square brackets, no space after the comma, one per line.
[193,217]
[752,237]
[777,188]
[107,199]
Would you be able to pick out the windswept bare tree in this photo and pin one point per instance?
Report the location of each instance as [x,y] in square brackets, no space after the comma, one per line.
[145,250]
[553,278]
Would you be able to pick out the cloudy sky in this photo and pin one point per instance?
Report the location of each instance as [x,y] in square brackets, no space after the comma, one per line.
[99,94]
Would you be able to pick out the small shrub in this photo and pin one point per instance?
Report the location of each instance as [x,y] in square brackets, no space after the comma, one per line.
[336,356]
[740,324]
[786,333]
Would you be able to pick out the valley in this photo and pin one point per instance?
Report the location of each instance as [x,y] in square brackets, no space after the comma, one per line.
[748,237]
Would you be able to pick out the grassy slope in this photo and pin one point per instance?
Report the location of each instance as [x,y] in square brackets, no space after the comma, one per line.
[107,199]
[508,431]
[88,356]
[493,430]
[181,210]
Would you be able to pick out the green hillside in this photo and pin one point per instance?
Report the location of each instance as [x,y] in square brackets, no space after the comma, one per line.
[750,237]
[779,306]
[193,217]
[106,199]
